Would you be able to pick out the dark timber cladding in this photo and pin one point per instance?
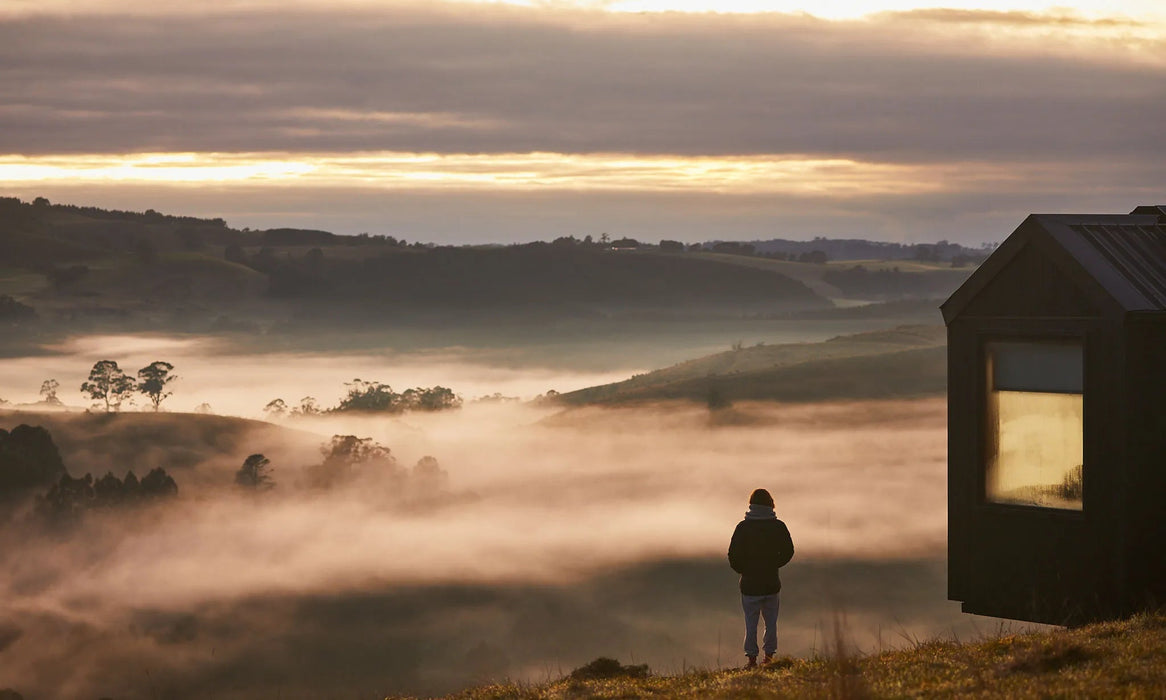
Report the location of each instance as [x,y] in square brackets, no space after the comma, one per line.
[1057,421]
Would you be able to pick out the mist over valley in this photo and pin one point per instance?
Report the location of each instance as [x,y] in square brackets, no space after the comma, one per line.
[366,492]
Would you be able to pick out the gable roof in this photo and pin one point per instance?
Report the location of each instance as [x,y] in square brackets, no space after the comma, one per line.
[1125,254]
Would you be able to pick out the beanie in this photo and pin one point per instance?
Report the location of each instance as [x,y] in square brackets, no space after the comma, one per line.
[761,497]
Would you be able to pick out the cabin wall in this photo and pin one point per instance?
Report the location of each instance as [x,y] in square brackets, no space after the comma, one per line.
[963,452]
[1024,562]
[1146,424]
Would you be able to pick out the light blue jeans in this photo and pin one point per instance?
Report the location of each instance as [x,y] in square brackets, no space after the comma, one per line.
[757,606]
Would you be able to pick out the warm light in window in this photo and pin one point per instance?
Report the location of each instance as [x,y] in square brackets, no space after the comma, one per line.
[1035,425]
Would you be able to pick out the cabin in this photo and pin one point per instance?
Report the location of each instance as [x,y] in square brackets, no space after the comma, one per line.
[1057,421]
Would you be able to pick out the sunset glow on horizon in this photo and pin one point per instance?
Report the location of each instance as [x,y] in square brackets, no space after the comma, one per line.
[791,174]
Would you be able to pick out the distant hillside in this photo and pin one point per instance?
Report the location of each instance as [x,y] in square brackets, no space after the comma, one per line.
[850,249]
[70,260]
[541,273]
[905,361]
[68,269]
[867,279]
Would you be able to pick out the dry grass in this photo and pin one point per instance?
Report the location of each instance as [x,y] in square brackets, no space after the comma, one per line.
[1115,659]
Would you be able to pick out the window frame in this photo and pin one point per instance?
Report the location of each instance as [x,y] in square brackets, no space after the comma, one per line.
[1062,335]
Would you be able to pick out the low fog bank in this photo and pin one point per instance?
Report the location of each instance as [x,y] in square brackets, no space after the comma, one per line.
[671,614]
[238,374]
[234,381]
[554,539]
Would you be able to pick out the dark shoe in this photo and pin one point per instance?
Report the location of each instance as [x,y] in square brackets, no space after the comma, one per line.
[767,660]
[751,663]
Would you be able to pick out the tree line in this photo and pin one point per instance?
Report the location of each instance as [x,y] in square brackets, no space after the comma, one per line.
[69,498]
[372,397]
[345,459]
[109,386]
[29,461]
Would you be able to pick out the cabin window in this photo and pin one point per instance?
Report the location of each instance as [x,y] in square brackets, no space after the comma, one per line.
[1035,424]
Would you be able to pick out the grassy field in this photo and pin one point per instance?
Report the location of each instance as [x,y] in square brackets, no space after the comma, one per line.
[1124,659]
[908,361]
[925,275]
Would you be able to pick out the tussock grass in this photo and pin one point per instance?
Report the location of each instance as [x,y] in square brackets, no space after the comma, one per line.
[1114,659]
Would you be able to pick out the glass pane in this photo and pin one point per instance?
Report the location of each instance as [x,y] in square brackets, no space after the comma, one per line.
[1036,438]
[1051,367]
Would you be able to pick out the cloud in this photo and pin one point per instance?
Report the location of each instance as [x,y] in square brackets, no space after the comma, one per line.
[491,80]
[544,122]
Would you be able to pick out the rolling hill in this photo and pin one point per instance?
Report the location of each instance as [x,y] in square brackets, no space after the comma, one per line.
[902,362]
[71,262]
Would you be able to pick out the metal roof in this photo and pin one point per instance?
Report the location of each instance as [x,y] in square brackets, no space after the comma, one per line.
[1124,253]
[1137,252]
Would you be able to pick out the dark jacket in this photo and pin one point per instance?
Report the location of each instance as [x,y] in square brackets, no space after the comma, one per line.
[758,549]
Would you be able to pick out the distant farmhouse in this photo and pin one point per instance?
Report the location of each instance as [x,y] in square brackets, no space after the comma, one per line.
[1057,421]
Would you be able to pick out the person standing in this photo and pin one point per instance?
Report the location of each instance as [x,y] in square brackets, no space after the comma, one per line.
[760,546]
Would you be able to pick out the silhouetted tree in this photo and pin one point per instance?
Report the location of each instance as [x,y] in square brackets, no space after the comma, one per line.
[108,491]
[344,454]
[158,484]
[307,407]
[204,409]
[108,384]
[375,397]
[275,408]
[28,459]
[48,392]
[255,473]
[428,477]
[131,488]
[437,398]
[370,396]
[152,381]
[67,499]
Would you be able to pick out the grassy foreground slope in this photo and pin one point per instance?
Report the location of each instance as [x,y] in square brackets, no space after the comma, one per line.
[1125,659]
[908,361]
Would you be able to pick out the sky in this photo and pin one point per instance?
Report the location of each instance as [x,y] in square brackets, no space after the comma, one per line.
[470,122]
